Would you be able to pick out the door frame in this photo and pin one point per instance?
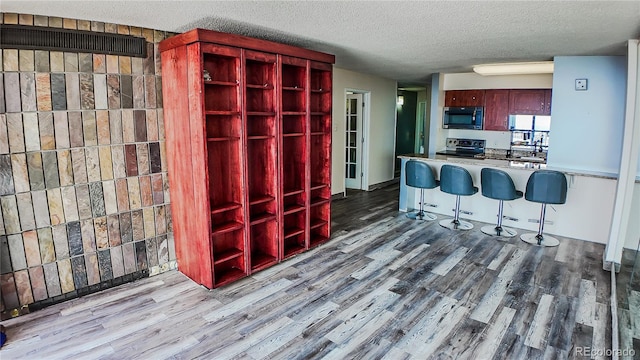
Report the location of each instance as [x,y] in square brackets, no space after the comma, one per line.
[364,157]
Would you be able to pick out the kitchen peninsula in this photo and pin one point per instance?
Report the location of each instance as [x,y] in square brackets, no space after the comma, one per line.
[583,216]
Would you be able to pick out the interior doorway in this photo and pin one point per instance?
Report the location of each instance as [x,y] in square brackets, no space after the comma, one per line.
[405,126]
[356,123]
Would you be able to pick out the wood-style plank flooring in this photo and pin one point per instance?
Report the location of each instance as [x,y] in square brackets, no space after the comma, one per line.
[628,296]
[384,287]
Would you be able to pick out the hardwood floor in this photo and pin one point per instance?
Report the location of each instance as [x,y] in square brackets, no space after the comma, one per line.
[384,287]
[628,295]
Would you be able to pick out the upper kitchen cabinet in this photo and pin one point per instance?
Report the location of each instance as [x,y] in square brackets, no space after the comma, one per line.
[530,102]
[496,110]
[464,98]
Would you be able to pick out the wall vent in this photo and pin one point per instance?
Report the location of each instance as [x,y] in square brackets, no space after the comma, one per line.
[54,39]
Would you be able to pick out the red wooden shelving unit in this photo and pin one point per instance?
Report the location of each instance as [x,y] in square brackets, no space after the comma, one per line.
[249,152]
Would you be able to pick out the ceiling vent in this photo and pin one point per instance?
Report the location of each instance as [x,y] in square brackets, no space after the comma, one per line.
[54,39]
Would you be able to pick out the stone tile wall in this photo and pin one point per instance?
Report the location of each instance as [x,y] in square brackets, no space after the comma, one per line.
[83,185]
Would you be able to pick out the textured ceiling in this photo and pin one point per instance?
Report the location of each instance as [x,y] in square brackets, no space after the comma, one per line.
[402,40]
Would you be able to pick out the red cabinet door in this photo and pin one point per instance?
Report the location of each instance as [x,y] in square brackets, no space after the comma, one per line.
[464,98]
[547,102]
[496,110]
[527,102]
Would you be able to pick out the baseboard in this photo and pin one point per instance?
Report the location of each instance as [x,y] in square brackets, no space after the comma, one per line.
[383,184]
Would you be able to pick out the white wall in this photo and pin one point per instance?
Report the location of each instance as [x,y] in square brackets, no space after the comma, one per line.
[586,131]
[468,81]
[380,132]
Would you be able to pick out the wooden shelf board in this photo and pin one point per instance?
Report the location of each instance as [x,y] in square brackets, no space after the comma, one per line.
[260,259]
[293,250]
[292,88]
[222,83]
[317,133]
[292,134]
[316,186]
[319,201]
[320,91]
[228,275]
[260,137]
[260,218]
[318,239]
[226,255]
[293,231]
[226,138]
[290,209]
[253,200]
[285,113]
[260,86]
[289,192]
[225,207]
[221,112]
[261,113]
[226,227]
[315,223]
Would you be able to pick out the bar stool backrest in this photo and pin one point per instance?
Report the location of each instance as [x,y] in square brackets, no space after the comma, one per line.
[497,184]
[420,175]
[456,180]
[547,186]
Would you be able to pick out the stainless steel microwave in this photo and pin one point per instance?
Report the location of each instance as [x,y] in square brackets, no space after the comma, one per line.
[463,118]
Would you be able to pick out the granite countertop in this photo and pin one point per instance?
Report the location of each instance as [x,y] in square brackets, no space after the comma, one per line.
[513,163]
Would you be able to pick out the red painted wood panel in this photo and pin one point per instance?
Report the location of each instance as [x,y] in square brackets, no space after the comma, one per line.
[175,87]
[210,36]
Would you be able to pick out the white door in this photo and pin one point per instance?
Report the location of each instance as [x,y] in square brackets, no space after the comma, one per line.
[354,139]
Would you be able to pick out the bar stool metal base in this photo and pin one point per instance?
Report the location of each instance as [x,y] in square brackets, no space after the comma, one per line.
[498,231]
[453,224]
[540,240]
[421,216]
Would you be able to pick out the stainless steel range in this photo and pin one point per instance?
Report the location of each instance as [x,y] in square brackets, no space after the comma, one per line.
[471,148]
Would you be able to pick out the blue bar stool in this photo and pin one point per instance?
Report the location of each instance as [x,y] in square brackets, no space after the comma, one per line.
[498,185]
[545,187]
[457,181]
[420,175]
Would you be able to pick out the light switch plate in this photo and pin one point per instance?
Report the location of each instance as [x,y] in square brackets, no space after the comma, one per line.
[581,84]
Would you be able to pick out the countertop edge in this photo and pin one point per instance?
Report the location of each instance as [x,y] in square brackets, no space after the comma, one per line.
[506,164]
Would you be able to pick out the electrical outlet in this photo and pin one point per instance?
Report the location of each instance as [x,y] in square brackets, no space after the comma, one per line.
[581,84]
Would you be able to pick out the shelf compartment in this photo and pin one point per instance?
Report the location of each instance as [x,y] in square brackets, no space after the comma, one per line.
[260,86]
[226,227]
[293,245]
[260,125]
[294,154]
[222,69]
[293,125]
[225,207]
[320,159]
[293,203]
[221,98]
[228,256]
[225,173]
[295,224]
[223,126]
[264,244]
[258,199]
[222,139]
[262,217]
[315,223]
[319,222]
[260,100]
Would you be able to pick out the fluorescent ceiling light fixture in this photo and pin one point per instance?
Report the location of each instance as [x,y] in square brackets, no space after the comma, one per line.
[400,100]
[540,67]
